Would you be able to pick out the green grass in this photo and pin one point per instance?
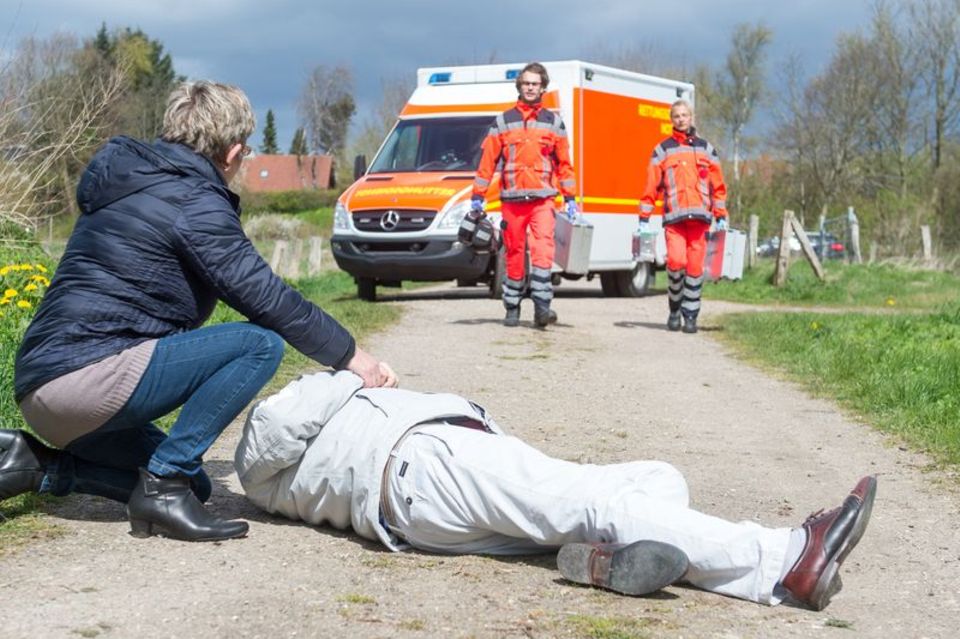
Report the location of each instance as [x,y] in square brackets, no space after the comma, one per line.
[900,372]
[594,627]
[847,285]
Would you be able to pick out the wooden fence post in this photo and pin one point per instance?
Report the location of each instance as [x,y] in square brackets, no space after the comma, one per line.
[783,251]
[927,243]
[279,256]
[752,241]
[808,249]
[853,231]
[315,259]
[293,264]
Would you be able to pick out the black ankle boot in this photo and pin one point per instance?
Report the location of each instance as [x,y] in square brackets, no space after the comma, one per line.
[167,506]
[23,463]
[543,316]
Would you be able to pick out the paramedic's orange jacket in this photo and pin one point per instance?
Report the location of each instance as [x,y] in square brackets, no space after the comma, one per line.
[685,173]
[531,142]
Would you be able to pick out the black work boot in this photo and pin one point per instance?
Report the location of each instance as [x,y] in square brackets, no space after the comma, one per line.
[544,315]
[167,506]
[673,322]
[23,463]
[513,316]
[690,325]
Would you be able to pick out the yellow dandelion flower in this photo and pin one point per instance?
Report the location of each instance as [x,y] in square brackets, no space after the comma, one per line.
[30,287]
[4,270]
[26,267]
[891,301]
[40,278]
[24,304]
[815,326]
[7,294]
[5,300]
[41,268]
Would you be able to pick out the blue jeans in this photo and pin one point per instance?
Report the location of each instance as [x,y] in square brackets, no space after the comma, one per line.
[212,373]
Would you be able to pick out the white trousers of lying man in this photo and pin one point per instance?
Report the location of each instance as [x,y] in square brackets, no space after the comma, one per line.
[434,472]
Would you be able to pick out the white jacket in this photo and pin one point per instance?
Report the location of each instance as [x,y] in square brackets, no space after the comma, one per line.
[316,450]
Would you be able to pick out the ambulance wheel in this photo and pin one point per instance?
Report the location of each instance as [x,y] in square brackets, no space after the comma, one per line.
[499,268]
[367,289]
[610,284]
[637,282]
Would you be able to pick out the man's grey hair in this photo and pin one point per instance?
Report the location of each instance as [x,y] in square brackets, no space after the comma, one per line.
[682,102]
[209,117]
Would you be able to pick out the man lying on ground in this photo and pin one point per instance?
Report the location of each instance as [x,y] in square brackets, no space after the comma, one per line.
[433,471]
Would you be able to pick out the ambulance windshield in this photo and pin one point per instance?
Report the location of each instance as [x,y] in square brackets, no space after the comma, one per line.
[435,144]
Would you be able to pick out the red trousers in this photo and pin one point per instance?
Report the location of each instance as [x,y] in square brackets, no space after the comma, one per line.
[687,246]
[538,217]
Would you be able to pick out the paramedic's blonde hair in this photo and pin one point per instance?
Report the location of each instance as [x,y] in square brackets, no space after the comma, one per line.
[682,103]
[209,117]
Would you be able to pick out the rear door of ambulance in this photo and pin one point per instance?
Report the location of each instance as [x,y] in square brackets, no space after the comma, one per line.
[619,117]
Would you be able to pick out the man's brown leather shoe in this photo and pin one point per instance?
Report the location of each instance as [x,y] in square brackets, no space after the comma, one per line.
[814,578]
[632,569]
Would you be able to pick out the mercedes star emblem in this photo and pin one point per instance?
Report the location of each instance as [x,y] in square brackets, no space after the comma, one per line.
[389,220]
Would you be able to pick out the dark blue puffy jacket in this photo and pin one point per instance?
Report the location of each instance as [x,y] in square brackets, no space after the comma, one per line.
[157,243]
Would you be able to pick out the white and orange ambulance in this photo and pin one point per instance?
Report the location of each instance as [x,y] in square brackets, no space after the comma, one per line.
[398,221]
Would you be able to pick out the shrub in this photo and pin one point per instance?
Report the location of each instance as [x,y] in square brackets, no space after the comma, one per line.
[287,201]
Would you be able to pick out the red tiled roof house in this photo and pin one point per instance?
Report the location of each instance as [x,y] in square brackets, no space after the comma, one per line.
[263,172]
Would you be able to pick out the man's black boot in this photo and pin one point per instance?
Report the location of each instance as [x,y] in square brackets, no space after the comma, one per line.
[513,316]
[23,463]
[690,325]
[544,315]
[673,321]
[167,506]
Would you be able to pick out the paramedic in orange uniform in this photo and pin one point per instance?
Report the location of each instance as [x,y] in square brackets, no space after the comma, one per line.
[685,174]
[529,145]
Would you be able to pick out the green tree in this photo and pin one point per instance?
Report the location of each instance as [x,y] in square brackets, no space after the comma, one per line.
[299,144]
[269,145]
[150,77]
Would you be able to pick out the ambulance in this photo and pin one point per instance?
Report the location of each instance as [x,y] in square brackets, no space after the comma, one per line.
[398,221]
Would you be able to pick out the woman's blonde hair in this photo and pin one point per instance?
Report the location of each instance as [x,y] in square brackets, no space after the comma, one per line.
[209,117]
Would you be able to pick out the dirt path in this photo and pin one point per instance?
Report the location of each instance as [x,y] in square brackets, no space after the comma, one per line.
[594,388]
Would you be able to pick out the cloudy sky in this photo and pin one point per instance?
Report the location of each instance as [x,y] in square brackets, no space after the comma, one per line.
[268,46]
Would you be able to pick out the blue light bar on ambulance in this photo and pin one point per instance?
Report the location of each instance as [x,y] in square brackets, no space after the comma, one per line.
[438,78]
[512,74]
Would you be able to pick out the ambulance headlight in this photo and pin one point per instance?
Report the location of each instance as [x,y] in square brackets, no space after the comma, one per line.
[341,218]
[454,215]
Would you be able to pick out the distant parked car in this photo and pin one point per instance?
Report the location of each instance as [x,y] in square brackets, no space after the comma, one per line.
[835,249]
[770,246]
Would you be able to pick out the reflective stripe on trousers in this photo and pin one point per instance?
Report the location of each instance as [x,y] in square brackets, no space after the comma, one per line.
[541,288]
[512,292]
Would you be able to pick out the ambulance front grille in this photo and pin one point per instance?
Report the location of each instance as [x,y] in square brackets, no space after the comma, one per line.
[392,220]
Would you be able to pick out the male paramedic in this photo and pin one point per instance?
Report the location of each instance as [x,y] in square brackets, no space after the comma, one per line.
[530,145]
[433,471]
[685,174]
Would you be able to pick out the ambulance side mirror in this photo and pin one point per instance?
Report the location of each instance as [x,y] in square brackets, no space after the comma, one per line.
[359,166]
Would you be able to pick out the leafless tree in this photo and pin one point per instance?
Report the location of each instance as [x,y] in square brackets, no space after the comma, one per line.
[394,94]
[326,108]
[50,115]
[738,88]
[936,34]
